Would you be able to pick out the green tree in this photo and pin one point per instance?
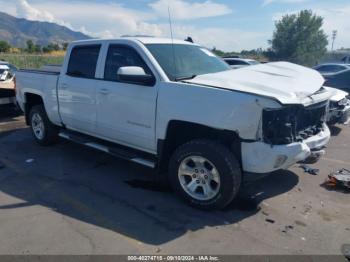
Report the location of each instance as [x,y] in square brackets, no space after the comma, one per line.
[37,48]
[4,47]
[299,38]
[65,46]
[30,46]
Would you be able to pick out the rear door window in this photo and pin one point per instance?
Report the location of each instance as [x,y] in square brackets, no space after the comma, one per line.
[83,61]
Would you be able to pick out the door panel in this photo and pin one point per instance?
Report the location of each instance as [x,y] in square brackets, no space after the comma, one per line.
[77,89]
[77,98]
[126,112]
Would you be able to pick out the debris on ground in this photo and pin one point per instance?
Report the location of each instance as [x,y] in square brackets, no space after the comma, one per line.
[339,178]
[28,161]
[265,213]
[310,170]
[287,228]
[271,221]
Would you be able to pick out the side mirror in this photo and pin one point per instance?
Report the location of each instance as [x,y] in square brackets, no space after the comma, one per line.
[135,75]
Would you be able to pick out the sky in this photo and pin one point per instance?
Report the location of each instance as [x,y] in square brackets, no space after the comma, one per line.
[229,25]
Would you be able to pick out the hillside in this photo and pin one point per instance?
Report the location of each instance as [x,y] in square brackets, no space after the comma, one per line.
[17,31]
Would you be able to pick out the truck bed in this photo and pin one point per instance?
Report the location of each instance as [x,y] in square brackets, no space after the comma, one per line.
[39,71]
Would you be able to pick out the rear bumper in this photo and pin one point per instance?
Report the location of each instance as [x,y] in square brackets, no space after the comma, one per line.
[259,157]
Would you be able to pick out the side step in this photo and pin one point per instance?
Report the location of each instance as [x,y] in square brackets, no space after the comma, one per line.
[112,149]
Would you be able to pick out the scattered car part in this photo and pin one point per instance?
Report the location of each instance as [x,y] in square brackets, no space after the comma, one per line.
[339,178]
[310,170]
[345,249]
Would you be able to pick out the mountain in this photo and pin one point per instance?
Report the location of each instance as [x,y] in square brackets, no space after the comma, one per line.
[17,31]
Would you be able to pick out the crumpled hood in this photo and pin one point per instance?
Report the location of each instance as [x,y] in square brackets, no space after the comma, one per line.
[288,83]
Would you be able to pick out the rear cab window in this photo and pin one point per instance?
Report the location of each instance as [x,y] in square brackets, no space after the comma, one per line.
[83,61]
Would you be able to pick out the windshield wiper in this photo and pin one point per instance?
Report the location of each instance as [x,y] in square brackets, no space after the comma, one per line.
[185,78]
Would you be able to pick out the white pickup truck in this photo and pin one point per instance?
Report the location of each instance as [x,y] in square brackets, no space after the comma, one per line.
[174,106]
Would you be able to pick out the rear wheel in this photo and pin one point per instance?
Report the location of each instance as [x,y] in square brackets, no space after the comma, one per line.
[205,174]
[44,132]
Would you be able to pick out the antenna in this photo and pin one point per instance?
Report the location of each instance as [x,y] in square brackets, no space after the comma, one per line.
[172,41]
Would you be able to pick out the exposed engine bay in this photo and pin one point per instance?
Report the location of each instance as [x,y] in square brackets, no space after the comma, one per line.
[293,123]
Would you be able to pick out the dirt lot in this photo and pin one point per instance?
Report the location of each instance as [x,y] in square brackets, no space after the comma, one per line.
[69,199]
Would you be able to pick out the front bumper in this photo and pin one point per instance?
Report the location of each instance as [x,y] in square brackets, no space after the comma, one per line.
[259,157]
[339,116]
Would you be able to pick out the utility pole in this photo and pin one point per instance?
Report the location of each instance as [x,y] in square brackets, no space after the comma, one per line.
[334,36]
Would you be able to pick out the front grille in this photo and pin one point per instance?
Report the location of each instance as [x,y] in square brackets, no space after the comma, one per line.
[293,123]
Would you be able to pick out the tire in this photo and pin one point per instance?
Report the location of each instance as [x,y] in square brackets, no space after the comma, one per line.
[44,132]
[185,168]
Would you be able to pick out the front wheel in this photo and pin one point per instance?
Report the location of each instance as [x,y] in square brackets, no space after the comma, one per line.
[205,174]
[44,132]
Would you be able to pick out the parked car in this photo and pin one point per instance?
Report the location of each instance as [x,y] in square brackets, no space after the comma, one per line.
[7,92]
[236,63]
[339,107]
[336,75]
[346,59]
[13,68]
[5,74]
[189,116]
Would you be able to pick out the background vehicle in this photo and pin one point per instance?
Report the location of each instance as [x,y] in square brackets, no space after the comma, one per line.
[336,75]
[190,116]
[339,107]
[7,92]
[13,68]
[236,63]
[346,59]
[5,74]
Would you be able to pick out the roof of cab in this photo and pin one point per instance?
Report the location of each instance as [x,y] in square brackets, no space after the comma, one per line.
[144,40]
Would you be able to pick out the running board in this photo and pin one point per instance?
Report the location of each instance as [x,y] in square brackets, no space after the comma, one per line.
[120,152]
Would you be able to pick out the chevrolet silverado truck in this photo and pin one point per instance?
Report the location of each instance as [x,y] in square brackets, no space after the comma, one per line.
[174,106]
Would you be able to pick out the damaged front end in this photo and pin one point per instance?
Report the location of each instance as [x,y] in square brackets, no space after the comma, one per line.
[288,135]
[293,123]
[296,124]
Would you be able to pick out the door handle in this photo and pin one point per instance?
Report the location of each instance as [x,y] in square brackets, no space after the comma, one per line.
[104,91]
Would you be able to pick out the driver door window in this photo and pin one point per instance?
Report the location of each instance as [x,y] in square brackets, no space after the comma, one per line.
[122,56]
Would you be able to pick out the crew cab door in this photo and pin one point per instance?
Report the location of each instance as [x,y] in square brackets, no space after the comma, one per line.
[126,111]
[77,89]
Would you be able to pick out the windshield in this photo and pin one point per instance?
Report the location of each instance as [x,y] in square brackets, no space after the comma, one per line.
[190,60]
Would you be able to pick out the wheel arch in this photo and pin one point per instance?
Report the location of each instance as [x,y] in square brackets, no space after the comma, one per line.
[31,100]
[179,132]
